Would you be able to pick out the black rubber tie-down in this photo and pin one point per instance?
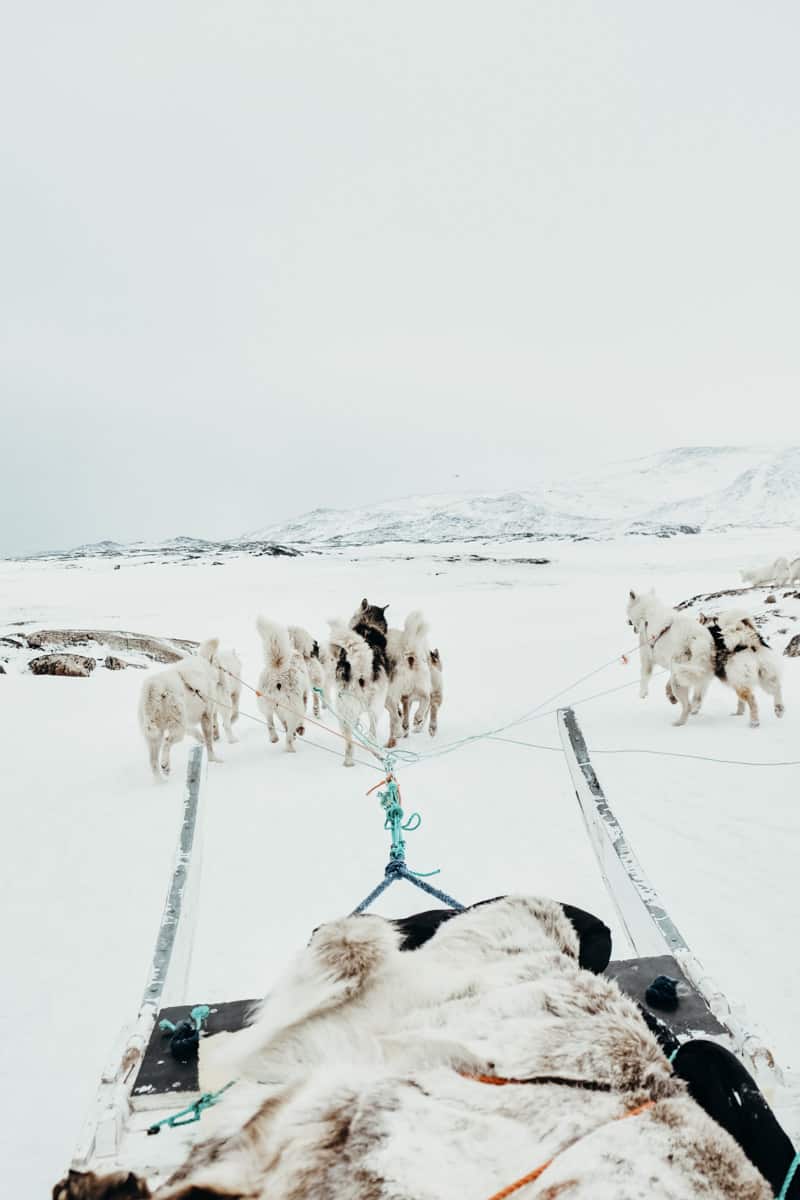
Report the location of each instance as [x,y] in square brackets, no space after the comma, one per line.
[663,993]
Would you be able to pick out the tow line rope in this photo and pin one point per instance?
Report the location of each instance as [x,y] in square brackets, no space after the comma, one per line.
[396,868]
[188,1116]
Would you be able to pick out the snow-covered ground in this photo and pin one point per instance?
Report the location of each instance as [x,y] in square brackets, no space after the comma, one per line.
[292,841]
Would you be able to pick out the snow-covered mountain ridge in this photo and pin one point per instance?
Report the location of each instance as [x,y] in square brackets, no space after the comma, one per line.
[684,490]
[681,490]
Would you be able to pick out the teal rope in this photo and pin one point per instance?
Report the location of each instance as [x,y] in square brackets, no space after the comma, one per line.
[790,1174]
[187,1116]
[390,803]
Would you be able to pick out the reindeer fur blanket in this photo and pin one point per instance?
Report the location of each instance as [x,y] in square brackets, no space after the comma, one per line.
[360,1072]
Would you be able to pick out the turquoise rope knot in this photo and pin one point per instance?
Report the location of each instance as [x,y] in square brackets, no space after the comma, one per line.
[199,1015]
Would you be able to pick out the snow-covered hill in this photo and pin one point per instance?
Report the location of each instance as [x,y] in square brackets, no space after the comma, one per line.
[680,490]
[676,491]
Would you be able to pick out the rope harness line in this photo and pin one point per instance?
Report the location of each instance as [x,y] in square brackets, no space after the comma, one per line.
[396,868]
[188,1116]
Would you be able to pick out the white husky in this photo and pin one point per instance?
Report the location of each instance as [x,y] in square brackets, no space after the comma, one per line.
[174,701]
[744,661]
[409,676]
[777,572]
[283,684]
[312,656]
[676,641]
[358,681]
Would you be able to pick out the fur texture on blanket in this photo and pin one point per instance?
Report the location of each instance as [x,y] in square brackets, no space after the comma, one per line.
[358,1070]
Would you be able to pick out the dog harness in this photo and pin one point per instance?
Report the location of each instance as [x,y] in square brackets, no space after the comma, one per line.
[666,629]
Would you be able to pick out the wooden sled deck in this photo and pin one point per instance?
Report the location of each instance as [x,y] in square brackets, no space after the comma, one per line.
[143,1084]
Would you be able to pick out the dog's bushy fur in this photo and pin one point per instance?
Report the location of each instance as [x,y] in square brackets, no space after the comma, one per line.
[357,679]
[359,1045]
[175,701]
[410,676]
[437,689]
[283,683]
[744,661]
[228,666]
[313,655]
[777,572]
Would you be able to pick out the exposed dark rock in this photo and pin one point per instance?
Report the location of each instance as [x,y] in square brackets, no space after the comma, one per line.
[770,599]
[2,669]
[163,650]
[16,642]
[77,665]
[793,647]
[112,663]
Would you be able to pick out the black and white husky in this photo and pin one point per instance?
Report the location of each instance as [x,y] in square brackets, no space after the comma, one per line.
[408,664]
[357,681]
[744,661]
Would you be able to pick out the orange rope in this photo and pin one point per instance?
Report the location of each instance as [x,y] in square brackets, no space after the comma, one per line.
[540,1170]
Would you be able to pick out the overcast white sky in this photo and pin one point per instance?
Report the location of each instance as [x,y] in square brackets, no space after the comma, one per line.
[258,257]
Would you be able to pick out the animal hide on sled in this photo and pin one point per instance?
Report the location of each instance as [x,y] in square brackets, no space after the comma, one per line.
[360,1070]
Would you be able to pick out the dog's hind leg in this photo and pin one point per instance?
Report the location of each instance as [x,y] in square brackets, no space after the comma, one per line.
[348,745]
[747,695]
[207,726]
[154,750]
[682,697]
[273,736]
[771,683]
[698,697]
[166,747]
[405,706]
[646,663]
[423,708]
[669,692]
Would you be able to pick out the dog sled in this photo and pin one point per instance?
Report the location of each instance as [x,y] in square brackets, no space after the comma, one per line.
[149,1109]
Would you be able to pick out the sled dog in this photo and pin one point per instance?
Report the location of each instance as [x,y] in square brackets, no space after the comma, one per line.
[283,683]
[174,701]
[676,641]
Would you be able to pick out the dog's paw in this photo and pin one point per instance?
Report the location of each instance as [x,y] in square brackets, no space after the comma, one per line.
[779,710]
[348,764]
[432,731]
[301,730]
[754,724]
[273,737]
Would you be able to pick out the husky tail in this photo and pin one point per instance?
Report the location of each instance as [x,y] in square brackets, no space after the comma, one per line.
[277,644]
